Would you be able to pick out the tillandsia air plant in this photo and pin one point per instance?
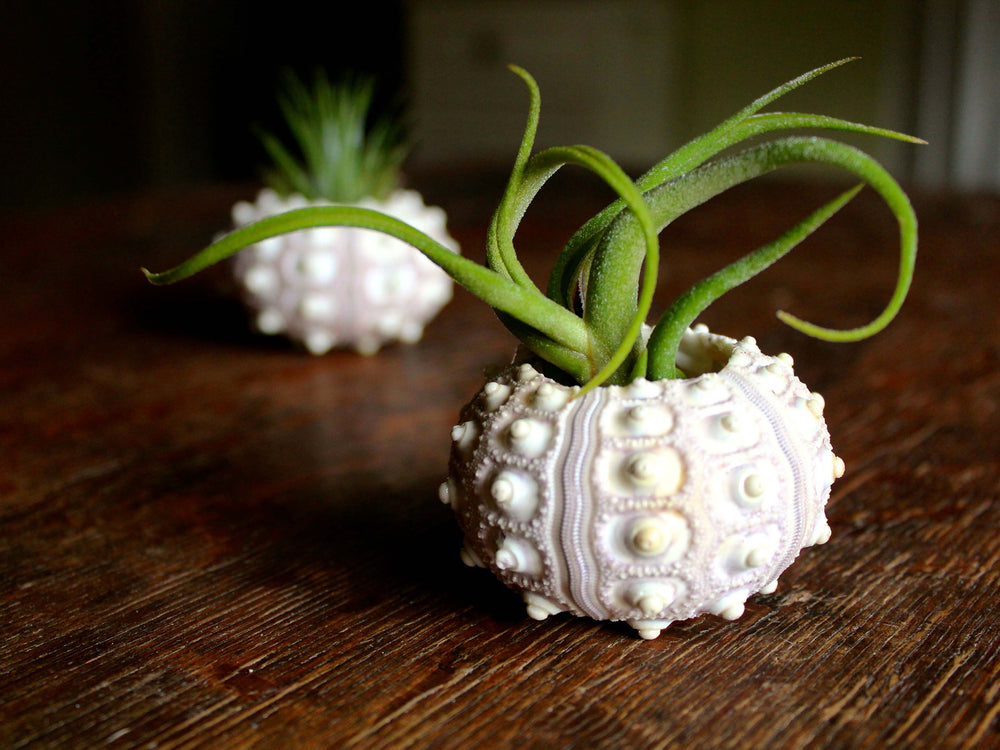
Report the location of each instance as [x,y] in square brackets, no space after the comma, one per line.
[339,286]
[624,468]
[342,153]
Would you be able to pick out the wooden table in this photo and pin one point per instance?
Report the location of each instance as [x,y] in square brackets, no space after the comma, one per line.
[209,539]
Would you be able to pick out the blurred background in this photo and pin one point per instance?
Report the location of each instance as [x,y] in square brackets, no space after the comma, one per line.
[108,96]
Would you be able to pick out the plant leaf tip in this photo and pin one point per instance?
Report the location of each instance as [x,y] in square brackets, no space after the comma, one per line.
[833,335]
[524,75]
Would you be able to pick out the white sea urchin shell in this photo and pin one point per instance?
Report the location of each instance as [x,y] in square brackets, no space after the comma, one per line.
[341,286]
[649,503]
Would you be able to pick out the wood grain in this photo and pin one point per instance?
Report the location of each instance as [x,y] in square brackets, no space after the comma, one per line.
[209,539]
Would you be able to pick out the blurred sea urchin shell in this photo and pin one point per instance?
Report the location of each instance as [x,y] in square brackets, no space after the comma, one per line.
[342,287]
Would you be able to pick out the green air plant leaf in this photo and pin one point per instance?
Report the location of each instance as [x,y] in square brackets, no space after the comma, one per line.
[609,266]
[341,155]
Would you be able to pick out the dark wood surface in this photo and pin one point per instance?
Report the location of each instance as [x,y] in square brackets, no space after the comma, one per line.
[209,539]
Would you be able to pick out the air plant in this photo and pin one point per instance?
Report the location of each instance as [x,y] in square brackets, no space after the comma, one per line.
[342,154]
[339,286]
[611,261]
[628,468]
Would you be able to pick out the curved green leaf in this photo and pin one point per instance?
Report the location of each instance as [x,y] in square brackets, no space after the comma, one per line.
[500,253]
[665,339]
[744,124]
[606,361]
[718,176]
[529,306]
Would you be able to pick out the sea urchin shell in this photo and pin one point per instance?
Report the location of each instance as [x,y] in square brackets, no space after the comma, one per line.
[649,503]
[341,286]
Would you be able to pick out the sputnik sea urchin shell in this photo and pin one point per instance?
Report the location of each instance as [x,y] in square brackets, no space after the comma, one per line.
[341,286]
[649,503]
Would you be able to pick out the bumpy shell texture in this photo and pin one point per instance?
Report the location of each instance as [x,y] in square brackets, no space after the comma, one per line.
[649,503]
[341,286]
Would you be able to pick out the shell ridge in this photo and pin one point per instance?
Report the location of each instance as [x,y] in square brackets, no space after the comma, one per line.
[579,507]
[792,453]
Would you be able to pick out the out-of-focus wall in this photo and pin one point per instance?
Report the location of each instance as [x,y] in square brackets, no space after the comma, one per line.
[608,72]
[638,77]
[71,114]
[101,96]
[105,96]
